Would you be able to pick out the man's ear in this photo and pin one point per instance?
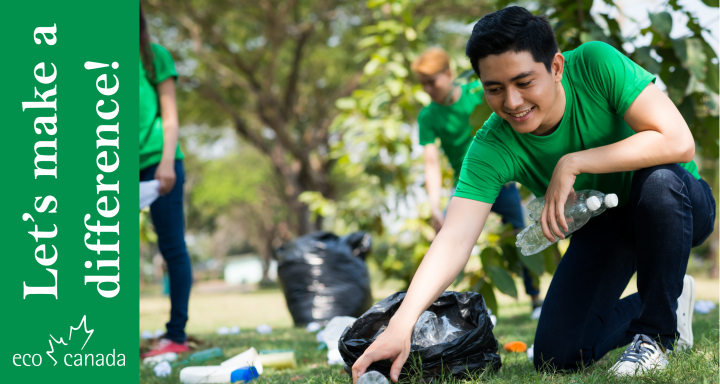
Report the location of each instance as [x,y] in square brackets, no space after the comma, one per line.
[557,67]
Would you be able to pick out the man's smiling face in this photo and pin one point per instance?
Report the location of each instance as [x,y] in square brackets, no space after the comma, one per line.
[522,91]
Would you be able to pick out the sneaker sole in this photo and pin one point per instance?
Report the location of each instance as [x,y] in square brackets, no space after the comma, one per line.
[690,312]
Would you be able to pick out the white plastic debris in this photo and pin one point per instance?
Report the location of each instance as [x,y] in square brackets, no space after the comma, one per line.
[153,360]
[146,335]
[531,352]
[536,313]
[319,336]
[223,331]
[221,373]
[492,317]
[704,306]
[163,369]
[246,359]
[372,377]
[158,333]
[264,329]
[149,192]
[313,326]
[334,357]
[331,336]
[234,330]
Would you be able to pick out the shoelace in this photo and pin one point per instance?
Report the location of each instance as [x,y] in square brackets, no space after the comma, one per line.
[639,350]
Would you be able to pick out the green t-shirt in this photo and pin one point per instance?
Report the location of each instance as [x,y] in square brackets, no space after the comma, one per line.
[600,84]
[451,124]
[151,127]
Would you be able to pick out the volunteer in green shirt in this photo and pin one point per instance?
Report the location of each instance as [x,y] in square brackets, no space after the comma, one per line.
[161,159]
[585,119]
[447,118]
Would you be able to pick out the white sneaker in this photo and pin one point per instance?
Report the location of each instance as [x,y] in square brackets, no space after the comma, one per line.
[643,354]
[686,306]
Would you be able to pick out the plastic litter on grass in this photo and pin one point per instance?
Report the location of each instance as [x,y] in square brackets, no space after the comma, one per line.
[515,346]
[704,306]
[153,360]
[163,369]
[372,377]
[264,329]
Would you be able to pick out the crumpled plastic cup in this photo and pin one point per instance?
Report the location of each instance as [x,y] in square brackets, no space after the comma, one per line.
[426,332]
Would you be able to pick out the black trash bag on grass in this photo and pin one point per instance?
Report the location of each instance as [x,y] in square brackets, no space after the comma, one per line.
[474,351]
[323,276]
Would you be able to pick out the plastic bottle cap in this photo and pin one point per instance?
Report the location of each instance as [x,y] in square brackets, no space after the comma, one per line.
[611,200]
[593,203]
[245,374]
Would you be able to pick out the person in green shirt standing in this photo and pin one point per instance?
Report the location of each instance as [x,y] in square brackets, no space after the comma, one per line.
[447,118]
[589,118]
[161,159]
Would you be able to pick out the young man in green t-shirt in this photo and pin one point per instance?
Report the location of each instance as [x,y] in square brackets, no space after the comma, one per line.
[584,119]
[447,118]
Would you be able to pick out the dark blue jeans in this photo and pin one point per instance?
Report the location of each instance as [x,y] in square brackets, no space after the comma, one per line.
[583,317]
[509,207]
[169,222]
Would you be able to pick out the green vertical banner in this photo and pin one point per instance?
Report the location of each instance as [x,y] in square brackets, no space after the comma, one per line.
[69,224]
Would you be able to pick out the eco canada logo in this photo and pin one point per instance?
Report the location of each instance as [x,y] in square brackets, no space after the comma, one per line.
[71,353]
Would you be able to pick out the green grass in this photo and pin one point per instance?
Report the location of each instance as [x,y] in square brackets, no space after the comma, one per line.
[699,365]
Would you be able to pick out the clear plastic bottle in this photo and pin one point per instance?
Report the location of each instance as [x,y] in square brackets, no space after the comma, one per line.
[536,205]
[372,377]
[580,207]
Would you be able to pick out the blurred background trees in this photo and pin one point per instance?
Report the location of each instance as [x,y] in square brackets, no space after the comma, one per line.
[300,115]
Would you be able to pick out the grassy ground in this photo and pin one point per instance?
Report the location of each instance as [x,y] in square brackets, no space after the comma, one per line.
[700,365]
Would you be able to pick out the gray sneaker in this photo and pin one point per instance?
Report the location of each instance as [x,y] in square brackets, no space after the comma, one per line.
[643,354]
[684,312]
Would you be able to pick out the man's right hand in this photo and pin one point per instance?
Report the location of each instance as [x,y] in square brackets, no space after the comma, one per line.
[392,344]
[437,220]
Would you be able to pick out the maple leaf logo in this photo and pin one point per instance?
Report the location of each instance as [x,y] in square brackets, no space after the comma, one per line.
[83,323]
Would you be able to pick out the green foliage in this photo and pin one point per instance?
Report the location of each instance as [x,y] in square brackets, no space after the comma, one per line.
[502,280]
[147,233]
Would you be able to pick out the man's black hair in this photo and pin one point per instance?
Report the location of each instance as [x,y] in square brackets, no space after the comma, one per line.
[512,29]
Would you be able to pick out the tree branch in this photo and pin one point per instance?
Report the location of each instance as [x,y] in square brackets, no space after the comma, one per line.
[196,24]
[240,125]
[291,89]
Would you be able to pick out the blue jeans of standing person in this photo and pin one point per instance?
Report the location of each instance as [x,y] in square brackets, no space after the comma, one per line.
[509,207]
[583,316]
[169,221]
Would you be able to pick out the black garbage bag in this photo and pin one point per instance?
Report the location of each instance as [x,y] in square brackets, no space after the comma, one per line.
[475,350]
[323,276]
